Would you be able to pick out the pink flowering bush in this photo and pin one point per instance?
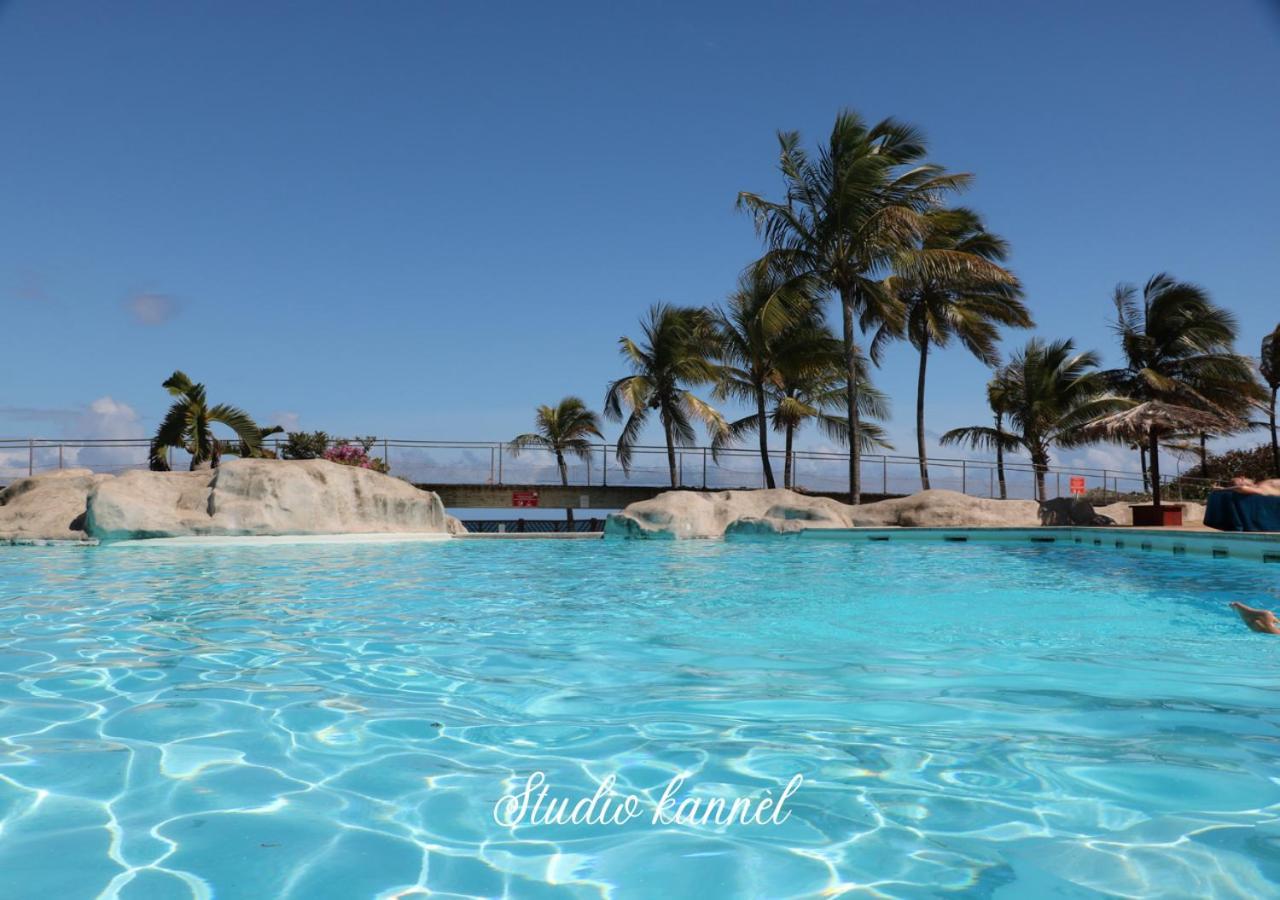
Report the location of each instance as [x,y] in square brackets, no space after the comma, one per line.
[346,454]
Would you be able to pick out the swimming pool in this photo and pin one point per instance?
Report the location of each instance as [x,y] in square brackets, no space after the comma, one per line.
[988,719]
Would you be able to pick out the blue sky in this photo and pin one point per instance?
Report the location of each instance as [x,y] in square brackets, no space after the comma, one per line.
[424,219]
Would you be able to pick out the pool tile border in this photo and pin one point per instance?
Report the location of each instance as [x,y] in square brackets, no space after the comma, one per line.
[1263,548]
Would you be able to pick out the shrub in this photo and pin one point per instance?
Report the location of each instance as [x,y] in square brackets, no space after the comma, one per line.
[347,454]
[305,445]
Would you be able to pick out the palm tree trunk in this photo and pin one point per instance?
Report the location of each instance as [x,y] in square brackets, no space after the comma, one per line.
[671,450]
[564,481]
[851,396]
[762,426]
[1275,446]
[1204,455]
[1040,462]
[1155,469]
[1004,491]
[924,361]
[788,478]
[1142,462]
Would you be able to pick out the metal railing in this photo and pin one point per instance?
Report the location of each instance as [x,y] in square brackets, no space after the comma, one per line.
[494,462]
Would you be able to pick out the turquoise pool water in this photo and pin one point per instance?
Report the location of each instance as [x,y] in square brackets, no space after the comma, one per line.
[339,721]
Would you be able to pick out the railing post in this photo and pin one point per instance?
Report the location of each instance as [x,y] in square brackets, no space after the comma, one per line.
[499,462]
[31,457]
[1057,477]
[680,468]
[588,470]
[59,456]
[704,468]
[386,454]
[491,465]
[884,476]
[1104,487]
[964,477]
[604,465]
[991,486]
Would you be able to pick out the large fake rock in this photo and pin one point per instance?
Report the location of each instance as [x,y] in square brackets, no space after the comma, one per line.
[695,514]
[47,507]
[149,504]
[261,497]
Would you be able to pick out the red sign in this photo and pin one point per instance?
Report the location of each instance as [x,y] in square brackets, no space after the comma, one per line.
[1077,484]
[524,498]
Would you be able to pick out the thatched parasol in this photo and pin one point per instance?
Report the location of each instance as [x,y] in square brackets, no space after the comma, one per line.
[1150,421]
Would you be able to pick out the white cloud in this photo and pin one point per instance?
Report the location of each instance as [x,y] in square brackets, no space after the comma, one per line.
[150,308]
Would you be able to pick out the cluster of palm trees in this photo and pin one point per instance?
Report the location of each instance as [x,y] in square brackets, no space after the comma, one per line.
[864,220]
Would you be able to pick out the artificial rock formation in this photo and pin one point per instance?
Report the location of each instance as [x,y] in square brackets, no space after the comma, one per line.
[240,497]
[692,514]
[696,514]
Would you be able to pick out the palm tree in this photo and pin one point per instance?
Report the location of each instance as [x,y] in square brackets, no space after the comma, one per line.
[1179,352]
[674,356]
[810,386]
[845,216]
[1048,391]
[753,330]
[243,451]
[1269,366]
[999,400]
[964,293]
[188,426]
[563,428]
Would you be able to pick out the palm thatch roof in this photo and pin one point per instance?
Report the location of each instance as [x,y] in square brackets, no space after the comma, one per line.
[1137,422]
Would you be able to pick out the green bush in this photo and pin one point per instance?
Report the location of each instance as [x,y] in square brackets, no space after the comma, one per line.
[305,445]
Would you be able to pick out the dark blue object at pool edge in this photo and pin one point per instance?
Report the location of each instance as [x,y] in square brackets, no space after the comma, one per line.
[1232,511]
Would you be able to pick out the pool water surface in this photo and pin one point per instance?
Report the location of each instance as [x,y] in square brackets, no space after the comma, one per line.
[336,721]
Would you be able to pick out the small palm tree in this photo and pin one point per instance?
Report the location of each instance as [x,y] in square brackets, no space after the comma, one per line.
[1049,392]
[811,387]
[753,330]
[961,291]
[1179,351]
[844,218]
[563,428]
[999,400]
[674,356]
[188,426]
[1269,366]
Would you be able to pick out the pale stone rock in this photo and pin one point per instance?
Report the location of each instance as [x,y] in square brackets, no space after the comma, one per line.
[261,496]
[240,497]
[48,507]
[140,504]
[695,514]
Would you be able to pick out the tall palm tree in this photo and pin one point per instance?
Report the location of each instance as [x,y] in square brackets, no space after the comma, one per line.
[964,294]
[754,329]
[1269,366]
[1179,351]
[188,426]
[563,428]
[673,356]
[844,218]
[1048,391]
